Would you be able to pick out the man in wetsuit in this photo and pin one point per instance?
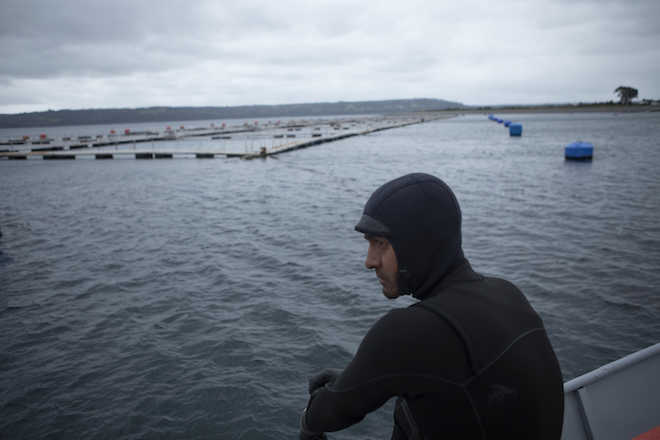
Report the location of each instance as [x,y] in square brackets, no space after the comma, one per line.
[470,360]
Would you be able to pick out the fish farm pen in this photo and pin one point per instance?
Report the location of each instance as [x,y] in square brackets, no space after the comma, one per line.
[247,141]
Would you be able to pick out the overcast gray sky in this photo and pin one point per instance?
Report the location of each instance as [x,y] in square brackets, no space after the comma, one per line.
[130,53]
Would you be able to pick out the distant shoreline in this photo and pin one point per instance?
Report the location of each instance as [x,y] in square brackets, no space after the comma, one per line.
[564,108]
[53,118]
[388,107]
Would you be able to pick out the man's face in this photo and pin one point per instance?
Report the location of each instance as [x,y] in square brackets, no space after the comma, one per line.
[382,258]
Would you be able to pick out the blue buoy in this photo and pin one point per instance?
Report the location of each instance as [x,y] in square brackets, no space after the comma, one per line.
[499,121]
[515,129]
[491,117]
[579,151]
[507,123]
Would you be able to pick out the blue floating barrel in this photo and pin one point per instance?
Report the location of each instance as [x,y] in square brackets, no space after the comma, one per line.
[491,117]
[499,121]
[579,151]
[507,123]
[515,129]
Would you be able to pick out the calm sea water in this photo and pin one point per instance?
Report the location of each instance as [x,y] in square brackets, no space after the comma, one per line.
[193,298]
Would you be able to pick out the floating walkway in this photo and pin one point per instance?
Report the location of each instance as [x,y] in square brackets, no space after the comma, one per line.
[83,151]
[318,141]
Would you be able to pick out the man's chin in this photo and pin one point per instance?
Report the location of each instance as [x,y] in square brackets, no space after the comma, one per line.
[390,295]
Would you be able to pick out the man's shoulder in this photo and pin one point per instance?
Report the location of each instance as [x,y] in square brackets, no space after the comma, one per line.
[496,279]
[397,316]
[402,314]
[489,296]
[403,331]
[408,322]
[484,283]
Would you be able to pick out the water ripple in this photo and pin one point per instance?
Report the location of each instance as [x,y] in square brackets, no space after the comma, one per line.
[192,299]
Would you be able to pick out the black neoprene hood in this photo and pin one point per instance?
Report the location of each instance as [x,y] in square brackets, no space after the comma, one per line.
[420,216]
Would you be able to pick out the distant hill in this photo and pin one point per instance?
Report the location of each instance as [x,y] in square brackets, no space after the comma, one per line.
[161,114]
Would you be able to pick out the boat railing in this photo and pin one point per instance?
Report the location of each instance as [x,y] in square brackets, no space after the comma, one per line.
[620,400]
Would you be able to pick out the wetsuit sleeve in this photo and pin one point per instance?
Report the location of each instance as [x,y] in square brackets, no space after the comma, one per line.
[401,354]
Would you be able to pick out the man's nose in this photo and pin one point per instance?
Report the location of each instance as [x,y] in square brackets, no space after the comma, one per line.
[372,259]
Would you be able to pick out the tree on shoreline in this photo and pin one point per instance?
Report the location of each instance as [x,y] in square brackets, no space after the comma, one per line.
[626,94]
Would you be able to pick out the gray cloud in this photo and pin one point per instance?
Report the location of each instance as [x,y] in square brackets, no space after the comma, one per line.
[79,54]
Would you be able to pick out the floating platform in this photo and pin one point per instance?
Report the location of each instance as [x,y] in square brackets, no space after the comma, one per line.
[579,151]
[515,129]
[96,150]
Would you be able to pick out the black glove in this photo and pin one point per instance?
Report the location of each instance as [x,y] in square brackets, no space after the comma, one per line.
[305,434]
[321,379]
